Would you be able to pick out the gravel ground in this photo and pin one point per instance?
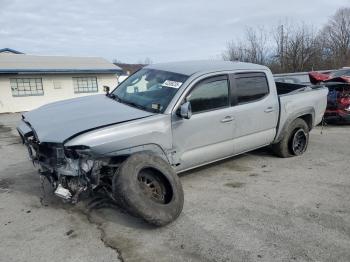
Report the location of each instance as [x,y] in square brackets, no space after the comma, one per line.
[255,207]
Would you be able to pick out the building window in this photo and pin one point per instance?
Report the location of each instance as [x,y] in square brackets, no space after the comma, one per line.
[85,84]
[26,86]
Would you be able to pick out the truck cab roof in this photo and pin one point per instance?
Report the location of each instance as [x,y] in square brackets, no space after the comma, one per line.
[204,66]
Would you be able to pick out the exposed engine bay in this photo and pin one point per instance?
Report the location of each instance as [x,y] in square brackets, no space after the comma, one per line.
[70,171]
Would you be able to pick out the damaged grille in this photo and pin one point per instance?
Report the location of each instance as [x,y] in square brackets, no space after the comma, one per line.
[70,170]
[48,154]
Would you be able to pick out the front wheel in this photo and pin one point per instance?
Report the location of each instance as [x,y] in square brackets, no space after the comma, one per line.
[294,141]
[148,187]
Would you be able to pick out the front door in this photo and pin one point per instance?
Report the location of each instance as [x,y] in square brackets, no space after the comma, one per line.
[207,135]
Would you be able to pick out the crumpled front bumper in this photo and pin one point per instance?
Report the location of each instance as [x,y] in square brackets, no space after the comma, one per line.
[47,156]
[63,167]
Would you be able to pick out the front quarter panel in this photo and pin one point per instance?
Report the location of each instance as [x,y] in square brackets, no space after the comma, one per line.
[112,140]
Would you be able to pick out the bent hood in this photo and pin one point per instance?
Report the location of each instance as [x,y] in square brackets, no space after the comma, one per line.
[56,122]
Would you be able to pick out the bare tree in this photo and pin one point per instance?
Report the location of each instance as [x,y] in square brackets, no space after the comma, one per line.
[296,48]
[146,61]
[257,49]
[235,52]
[253,49]
[336,37]
[117,61]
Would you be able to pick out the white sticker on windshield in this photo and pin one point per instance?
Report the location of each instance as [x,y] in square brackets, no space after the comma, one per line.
[172,84]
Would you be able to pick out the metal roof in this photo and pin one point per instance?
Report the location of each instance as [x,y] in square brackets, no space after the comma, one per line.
[21,64]
[204,66]
[9,50]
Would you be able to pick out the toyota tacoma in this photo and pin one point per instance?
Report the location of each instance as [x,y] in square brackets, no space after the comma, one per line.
[162,120]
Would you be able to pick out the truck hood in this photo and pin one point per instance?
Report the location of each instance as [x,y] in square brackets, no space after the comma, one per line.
[57,122]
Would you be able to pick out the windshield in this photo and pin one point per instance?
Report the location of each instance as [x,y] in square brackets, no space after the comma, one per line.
[149,89]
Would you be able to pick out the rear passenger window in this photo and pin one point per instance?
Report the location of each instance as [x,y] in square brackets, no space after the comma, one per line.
[251,87]
[209,94]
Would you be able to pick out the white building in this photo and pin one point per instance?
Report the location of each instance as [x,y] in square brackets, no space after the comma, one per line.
[28,81]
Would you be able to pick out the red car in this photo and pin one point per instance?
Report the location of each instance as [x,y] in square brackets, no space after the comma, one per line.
[338,83]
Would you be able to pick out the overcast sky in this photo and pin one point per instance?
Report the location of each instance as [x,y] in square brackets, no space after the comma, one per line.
[131,30]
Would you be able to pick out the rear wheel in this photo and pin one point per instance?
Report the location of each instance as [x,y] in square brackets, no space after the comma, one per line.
[295,140]
[299,142]
[148,187]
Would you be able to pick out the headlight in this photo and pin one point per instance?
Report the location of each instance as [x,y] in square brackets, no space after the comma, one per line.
[76,151]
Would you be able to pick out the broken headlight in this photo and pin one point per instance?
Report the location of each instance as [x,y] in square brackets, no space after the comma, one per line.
[75,152]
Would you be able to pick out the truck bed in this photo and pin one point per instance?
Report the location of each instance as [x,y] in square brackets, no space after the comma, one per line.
[287,88]
[296,99]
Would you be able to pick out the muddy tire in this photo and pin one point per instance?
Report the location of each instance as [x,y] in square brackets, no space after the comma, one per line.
[148,187]
[295,140]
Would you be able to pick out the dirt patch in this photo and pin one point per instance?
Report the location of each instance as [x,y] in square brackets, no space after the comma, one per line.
[235,184]
[6,183]
[7,137]
[232,165]
[4,129]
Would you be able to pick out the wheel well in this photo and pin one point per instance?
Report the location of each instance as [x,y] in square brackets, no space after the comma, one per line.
[308,119]
[120,155]
[118,159]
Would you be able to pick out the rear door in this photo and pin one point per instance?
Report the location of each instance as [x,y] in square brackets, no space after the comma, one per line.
[208,134]
[255,110]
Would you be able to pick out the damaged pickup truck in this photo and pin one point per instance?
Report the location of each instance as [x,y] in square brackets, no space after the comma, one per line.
[162,120]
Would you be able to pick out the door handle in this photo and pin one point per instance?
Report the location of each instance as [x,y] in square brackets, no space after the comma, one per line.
[269,109]
[227,119]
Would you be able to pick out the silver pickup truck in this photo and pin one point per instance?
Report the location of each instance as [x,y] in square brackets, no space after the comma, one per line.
[163,120]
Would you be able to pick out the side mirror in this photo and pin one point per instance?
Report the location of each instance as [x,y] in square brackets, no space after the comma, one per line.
[186,110]
[106,89]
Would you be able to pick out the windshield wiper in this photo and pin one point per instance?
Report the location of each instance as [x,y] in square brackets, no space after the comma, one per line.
[118,99]
[133,104]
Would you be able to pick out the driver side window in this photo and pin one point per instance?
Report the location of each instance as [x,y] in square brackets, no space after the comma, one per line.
[210,94]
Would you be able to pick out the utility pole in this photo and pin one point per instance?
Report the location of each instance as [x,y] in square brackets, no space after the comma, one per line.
[282,48]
